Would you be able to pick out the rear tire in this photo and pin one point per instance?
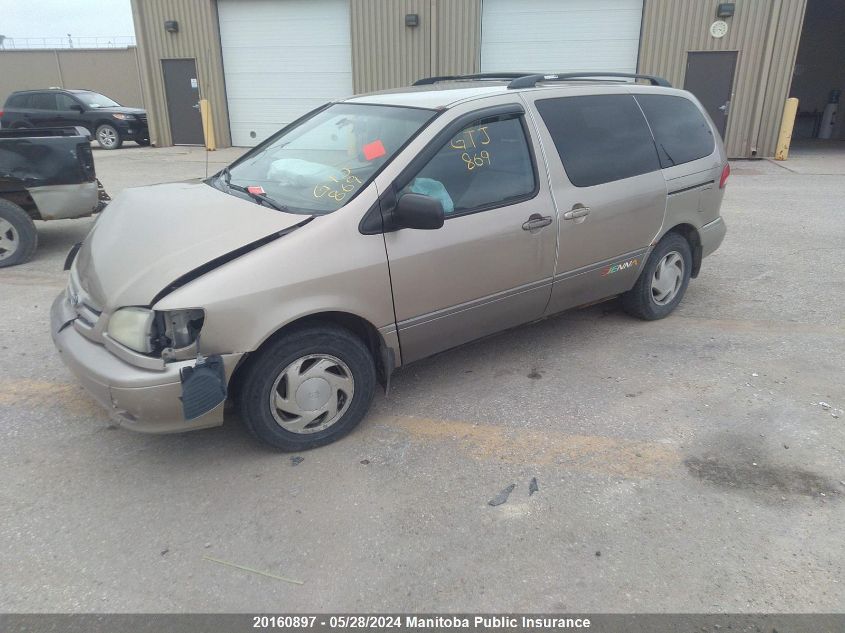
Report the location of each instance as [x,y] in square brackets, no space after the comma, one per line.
[308,388]
[108,137]
[18,237]
[663,281]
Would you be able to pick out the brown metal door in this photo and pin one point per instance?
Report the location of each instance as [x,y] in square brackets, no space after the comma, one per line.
[182,93]
[710,77]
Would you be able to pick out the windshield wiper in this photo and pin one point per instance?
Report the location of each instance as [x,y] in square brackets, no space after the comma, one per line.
[259,198]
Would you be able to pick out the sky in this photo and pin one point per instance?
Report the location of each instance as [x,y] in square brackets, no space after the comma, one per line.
[57,18]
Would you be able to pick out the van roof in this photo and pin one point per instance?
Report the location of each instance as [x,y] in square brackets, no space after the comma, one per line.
[443,92]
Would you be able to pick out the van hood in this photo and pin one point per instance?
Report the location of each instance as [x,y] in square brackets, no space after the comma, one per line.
[149,237]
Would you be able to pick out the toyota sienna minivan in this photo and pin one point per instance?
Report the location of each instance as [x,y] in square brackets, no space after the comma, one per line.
[382,229]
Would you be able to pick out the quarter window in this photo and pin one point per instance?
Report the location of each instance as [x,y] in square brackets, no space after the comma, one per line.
[483,165]
[600,138]
[680,130]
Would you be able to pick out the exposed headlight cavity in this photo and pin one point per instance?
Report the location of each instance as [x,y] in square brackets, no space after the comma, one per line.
[179,329]
[132,327]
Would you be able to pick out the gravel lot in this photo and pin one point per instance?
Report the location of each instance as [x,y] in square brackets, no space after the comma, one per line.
[683,466]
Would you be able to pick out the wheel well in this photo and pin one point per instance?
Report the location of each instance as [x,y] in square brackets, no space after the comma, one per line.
[24,201]
[690,234]
[358,326]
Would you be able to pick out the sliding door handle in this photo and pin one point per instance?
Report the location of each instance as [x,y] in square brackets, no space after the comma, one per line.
[577,212]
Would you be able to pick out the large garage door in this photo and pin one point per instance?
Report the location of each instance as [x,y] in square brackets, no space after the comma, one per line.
[282,59]
[560,35]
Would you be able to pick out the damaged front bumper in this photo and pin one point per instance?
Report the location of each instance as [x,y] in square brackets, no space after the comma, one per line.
[140,399]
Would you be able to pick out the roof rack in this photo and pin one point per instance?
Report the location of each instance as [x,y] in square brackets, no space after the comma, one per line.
[529,81]
[425,81]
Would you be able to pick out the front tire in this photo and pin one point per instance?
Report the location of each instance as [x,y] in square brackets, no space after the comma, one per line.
[18,237]
[663,281]
[108,137]
[308,388]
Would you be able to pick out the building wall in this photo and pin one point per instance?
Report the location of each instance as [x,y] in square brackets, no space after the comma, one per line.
[198,38]
[766,34]
[111,71]
[388,54]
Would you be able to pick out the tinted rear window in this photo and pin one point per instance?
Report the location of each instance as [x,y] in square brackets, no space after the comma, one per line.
[600,138]
[17,101]
[679,128]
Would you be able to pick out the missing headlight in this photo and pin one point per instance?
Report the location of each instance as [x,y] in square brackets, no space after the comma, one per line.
[177,332]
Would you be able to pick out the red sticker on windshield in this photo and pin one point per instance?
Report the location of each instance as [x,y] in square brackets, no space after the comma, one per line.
[374,150]
[256,189]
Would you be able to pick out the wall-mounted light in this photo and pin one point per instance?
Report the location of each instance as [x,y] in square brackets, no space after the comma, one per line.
[725,10]
[412,19]
[171,26]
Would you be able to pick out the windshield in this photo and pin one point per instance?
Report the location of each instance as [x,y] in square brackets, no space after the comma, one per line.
[96,100]
[319,165]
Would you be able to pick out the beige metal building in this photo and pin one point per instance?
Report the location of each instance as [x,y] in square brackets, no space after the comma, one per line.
[112,71]
[263,63]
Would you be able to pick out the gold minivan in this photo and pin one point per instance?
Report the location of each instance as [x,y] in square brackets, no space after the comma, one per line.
[379,230]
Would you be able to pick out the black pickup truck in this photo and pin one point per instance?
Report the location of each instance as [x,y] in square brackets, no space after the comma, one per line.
[45,174]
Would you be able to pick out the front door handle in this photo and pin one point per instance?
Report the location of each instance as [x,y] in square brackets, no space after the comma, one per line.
[577,212]
[536,221]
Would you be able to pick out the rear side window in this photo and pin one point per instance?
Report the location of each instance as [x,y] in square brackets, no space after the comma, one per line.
[600,138]
[42,101]
[679,128]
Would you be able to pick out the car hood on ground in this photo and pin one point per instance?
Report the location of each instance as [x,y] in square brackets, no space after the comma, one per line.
[150,236]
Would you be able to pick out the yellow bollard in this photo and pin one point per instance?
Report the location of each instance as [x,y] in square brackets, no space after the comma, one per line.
[207,125]
[786,125]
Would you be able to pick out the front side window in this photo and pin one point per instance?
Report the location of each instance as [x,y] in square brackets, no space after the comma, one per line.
[319,165]
[484,164]
[65,102]
[679,128]
[600,138]
[95,100]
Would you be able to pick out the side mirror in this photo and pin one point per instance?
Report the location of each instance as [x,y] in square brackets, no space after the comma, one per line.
[415,211]
[77,108]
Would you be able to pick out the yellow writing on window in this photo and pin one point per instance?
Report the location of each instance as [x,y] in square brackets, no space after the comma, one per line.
[471,138]
[480,159]
[339,188]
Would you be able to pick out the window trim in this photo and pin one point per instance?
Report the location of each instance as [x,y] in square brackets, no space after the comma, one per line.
[510,110]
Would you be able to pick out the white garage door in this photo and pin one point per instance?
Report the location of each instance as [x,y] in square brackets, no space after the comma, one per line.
[560,35]
[282,59]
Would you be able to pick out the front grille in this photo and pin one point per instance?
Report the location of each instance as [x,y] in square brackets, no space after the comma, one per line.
[87,312]
[142,118]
